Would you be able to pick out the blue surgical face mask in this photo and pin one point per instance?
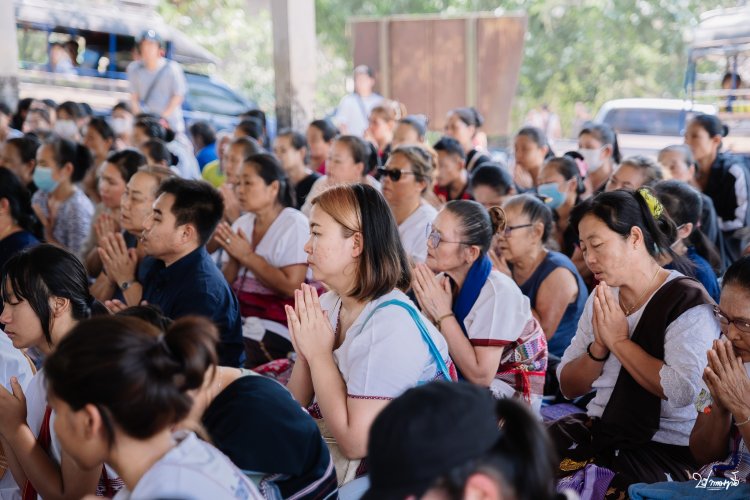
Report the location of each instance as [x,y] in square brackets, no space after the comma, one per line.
[555,198]
[43,179]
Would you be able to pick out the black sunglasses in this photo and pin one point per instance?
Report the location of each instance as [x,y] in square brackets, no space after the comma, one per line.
[393,174]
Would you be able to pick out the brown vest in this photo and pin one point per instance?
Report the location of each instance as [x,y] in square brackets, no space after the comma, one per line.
[632,415]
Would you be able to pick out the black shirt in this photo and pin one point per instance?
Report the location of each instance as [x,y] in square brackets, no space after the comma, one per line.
[194,286]
[302,189]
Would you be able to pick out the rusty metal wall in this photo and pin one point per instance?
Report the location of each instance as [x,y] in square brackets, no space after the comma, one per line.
[434,64]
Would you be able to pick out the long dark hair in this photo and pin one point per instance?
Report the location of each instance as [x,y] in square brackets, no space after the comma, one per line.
[137,377]
[19,203]
[605,134]
[269,169]
[622,210]
[45,271]
[76,154]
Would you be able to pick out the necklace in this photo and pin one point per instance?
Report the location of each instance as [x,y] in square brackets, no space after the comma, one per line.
[629,310]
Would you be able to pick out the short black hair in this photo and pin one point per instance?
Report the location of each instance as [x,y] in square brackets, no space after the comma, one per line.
[252,127]
[327,128]
[196,202]
[203,130]
[451,146]
[4,109]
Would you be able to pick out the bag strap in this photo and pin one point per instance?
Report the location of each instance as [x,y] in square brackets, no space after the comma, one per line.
[422,329]
[362,106]
[150,89]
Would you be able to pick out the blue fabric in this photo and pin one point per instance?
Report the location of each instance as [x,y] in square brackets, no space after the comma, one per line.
[704,273]
[469,293]
[560,340]
[194,286]
[688,490]
[206,155]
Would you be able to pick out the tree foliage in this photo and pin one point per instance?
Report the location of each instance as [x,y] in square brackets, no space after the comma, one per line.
[576,50]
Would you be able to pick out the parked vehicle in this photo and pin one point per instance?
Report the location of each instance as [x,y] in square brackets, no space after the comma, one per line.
[104,41]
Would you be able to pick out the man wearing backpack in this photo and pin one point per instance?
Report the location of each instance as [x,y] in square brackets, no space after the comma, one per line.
[157,85]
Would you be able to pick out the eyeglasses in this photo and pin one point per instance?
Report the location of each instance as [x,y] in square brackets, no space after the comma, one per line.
[434,239]
[393,174]
[509,229]
[724,321]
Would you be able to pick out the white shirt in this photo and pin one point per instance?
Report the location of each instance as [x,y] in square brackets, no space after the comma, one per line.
[282,245]
[354,111]
[413,232]
[685,344]
[12,364]
[383,357]
[192,470]
[323,183]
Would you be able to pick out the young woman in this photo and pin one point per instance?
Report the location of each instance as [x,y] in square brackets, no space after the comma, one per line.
[492,335]
[490,185]
[113,178]
[118,388]
[351,160]
[597,143]
[67,123]
[678,159]
[149,128]
[633,173]
[45,293]
[62,207]
[264,258]
[482,447]
[407,178]
[639,345]
[531,149]
[19,228]
[122,253]
[463,124]
[561,184]
[683,204]
[157,154]
[363,343]
[723,178]
[382,125]
[291,149]
[410,130]
[100,139]
[19,156]
[320,136]
[549,279]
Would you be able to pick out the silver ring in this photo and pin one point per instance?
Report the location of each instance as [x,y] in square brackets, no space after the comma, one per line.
[229,241]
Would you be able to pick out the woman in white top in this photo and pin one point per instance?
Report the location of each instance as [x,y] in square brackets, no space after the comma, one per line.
[264,258]
[118,387]
[407,178]
[363,343]
[641,345]
[350,160]
[45,293]
[494,339]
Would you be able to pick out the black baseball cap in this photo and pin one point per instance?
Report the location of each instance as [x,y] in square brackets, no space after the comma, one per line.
[425,433]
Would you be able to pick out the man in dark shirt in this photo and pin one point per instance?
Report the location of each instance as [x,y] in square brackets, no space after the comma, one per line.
[178,275]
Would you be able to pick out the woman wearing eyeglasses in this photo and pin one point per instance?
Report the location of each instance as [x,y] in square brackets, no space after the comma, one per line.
[549,279]
[721,433]
[640,345]
[406,178]
[492,336]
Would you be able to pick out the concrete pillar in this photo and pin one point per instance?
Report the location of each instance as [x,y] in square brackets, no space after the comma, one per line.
[294,52]
[9,58]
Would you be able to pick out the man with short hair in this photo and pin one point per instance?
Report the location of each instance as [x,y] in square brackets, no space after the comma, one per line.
[178,275]
[452,180]
[157,85]
[353,114]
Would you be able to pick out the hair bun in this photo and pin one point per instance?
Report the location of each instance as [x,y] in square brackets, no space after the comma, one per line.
[724,130]
[498,219]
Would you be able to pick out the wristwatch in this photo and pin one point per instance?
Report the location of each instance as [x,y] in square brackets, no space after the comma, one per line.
[126,284]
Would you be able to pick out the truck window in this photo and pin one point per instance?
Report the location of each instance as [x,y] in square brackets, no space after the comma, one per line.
[669,122]
[207,97]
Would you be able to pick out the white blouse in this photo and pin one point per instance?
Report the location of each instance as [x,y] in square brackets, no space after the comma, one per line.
[192,469]
[385,356]
[685,344]
[413,232]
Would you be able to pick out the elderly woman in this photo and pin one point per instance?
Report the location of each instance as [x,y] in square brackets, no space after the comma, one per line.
[721,432]
[640,345]
[549,279]
[406,178]
[492,335]
[634,172]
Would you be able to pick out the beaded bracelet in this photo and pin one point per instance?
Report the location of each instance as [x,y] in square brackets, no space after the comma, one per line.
[598,360]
